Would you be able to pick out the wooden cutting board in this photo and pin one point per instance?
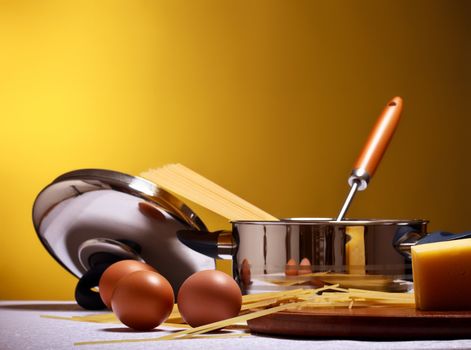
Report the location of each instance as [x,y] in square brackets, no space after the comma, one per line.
[367,323]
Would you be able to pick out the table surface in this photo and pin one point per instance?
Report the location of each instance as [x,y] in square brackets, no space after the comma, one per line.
[22,327]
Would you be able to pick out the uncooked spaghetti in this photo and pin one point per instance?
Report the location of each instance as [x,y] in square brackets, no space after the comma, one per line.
[187,183]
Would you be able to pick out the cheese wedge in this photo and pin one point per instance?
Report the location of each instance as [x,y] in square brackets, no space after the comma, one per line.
[442,275]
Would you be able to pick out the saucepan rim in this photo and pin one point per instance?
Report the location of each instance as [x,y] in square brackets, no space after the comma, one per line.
[332,221]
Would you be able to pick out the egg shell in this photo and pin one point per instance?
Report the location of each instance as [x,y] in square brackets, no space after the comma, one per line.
[304,267]
[291,268]
[209,296]
[142,300]
[114,273]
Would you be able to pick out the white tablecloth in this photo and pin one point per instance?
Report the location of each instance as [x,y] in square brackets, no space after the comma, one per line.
[22,328]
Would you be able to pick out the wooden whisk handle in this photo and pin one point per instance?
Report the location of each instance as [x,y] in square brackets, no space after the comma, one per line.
[378,140]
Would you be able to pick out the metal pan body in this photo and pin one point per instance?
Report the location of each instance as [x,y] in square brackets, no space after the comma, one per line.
[355,253]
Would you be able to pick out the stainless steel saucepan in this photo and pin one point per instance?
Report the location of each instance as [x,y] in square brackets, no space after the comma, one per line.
[373,254]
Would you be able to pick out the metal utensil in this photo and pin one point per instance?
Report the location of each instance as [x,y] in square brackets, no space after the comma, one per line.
[373,151]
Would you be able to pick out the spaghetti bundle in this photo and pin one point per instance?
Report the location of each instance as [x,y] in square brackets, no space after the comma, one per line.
[185,182]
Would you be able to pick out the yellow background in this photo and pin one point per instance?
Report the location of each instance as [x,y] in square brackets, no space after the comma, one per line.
[271,99]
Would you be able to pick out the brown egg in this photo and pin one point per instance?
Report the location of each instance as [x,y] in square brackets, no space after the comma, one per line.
[304,267]
[209,296]
[142,300]
[291,268]
[114,273]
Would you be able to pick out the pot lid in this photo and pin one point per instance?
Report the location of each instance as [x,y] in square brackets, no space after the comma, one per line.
[87,213]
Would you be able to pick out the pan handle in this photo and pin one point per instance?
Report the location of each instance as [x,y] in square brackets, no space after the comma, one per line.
[409,237]
[378,140]
[85,296]
[217,245]
[443,237]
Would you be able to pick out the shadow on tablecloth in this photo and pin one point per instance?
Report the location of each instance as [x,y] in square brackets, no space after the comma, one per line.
[43,307]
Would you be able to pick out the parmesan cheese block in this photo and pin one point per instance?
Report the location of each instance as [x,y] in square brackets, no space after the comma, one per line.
[442,275]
